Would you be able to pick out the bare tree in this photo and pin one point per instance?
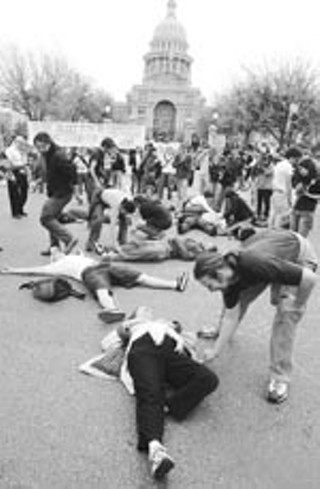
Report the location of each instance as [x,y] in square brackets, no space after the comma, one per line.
[282,102]
[46,87]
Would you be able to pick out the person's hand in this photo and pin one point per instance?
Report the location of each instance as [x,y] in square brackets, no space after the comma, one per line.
[5,270]
[208,333]
[179,345]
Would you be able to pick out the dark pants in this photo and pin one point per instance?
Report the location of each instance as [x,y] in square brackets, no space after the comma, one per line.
[18,192]
[153,367]
[97,218]
[51,211]
[264,198]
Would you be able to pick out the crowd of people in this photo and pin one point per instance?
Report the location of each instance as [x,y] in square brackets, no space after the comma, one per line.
[148,199]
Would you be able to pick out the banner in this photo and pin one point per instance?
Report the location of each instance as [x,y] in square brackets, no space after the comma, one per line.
[85,134]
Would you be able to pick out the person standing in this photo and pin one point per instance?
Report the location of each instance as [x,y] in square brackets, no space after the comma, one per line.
[17,176]
[281,199]
[60,179]
[307,189]
[282,259]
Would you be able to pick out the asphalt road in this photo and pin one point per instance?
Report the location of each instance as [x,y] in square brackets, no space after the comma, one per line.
[60,429]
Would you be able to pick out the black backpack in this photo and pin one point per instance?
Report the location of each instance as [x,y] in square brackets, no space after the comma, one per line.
[52,289]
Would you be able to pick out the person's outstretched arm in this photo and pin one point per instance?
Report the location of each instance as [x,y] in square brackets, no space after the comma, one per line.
[44,271]
[230,322]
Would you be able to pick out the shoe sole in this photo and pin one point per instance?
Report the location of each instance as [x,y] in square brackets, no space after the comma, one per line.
[276,400]
[165,466]
[111,317]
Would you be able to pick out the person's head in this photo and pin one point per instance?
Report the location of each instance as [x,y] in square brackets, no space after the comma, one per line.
[128,206]
[307,168]
[213,271]
[108,145]
[42,142]
[293,154]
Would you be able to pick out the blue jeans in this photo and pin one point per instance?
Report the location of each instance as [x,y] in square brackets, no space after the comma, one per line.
[302,222]
[290,308]
[50,213]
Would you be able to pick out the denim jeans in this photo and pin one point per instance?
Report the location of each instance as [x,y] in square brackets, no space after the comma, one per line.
[51,210]
[302,222]
[290,308]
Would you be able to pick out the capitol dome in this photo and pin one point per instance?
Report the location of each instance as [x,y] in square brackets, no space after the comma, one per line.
[170,33]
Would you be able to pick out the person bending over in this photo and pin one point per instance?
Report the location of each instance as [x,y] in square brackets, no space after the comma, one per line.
[99,277]
[279,258]
[156,217]
[113,206]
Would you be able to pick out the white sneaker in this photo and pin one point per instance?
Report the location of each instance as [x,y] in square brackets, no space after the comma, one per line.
[278,391]
[161,463]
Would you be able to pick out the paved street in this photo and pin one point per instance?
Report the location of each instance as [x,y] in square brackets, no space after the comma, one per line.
[60,429]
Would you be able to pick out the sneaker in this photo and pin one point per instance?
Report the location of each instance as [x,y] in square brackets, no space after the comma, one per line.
[161,463]
[278,391]
[69,247]
[46,252]
[182,282]
[111,315]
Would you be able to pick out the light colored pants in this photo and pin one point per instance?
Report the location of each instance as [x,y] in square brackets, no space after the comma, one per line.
[290,308]
[279,211]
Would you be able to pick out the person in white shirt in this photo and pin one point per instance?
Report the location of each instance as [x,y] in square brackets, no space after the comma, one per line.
[17,176]
[281,199]
[99,277]
[109,205]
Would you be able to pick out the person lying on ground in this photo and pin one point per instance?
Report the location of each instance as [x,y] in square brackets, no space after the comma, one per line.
[197,214]
[100,277]
[156,357]
[282,259]
[175,248]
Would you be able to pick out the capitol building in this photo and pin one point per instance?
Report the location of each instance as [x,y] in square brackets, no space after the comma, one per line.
[165,102]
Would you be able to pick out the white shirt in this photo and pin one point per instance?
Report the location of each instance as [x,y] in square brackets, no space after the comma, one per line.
[157,329]
[72,266]
[282,176]
[16,158]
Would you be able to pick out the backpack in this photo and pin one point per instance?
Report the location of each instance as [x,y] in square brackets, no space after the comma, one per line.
[52,289]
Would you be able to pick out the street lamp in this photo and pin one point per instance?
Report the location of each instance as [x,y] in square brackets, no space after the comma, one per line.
[107,113]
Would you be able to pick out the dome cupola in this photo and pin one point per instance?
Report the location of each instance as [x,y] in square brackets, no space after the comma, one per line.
[168,59]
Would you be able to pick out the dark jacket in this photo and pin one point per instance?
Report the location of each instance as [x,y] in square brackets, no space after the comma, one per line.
[60,173]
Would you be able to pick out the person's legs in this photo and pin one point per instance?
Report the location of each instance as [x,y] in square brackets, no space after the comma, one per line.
[305,223]
[191,382]
[152,282]
[259,202]
[96,219]
[98,282]
[267,201]
[291,306]
[51,210]
[146,366]
[13,197]
[22,182]
[294,221]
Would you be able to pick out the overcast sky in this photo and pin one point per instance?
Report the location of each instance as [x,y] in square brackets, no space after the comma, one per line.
[107,39]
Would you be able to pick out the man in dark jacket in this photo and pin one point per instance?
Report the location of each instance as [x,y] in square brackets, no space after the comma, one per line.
[60,177]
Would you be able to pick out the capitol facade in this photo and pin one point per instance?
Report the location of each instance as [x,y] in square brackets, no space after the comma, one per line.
[165,102]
